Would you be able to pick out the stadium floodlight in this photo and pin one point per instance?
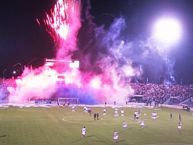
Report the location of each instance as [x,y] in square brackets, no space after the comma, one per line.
[167,30]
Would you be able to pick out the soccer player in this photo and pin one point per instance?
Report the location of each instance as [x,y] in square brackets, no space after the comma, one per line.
[73,108]
[179,125]
[97,116]
[154,115]
[105,104]
[136,115]
[94,116]
[142,124]
[84,131]
[85,109]
[180,118]
[89,111]
[124,124]
[116,114]
[171,115]
[122,112]
[104,111]
[115,136]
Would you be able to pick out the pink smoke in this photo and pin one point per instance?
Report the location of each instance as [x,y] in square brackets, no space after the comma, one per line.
[63,23]
[34,84]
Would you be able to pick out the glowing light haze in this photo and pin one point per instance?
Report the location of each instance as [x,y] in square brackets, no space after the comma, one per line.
[167,30]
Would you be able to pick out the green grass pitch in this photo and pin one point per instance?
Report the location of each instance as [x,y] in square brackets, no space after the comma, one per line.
[61,126]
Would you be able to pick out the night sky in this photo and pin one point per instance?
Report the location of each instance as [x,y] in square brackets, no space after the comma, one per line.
[23,41]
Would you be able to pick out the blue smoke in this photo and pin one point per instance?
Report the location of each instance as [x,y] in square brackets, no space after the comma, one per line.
[71,91]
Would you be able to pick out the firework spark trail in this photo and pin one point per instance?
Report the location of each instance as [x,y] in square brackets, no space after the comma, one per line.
[63,23]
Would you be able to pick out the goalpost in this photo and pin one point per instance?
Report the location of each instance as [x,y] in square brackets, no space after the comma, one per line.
[67,101]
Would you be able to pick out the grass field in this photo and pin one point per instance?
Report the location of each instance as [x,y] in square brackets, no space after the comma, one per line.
[61,126]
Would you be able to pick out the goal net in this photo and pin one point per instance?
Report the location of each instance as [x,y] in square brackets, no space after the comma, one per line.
[67,101]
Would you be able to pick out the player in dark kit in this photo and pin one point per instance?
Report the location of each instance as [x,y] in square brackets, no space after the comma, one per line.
[171,115]
[180,118]
[95,116]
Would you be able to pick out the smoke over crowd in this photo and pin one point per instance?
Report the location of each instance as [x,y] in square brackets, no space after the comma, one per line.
[105,60]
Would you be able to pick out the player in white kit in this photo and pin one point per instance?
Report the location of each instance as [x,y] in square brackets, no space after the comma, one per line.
[180,125]
[84,131]
[124,124]
[115,136]
[142,124]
